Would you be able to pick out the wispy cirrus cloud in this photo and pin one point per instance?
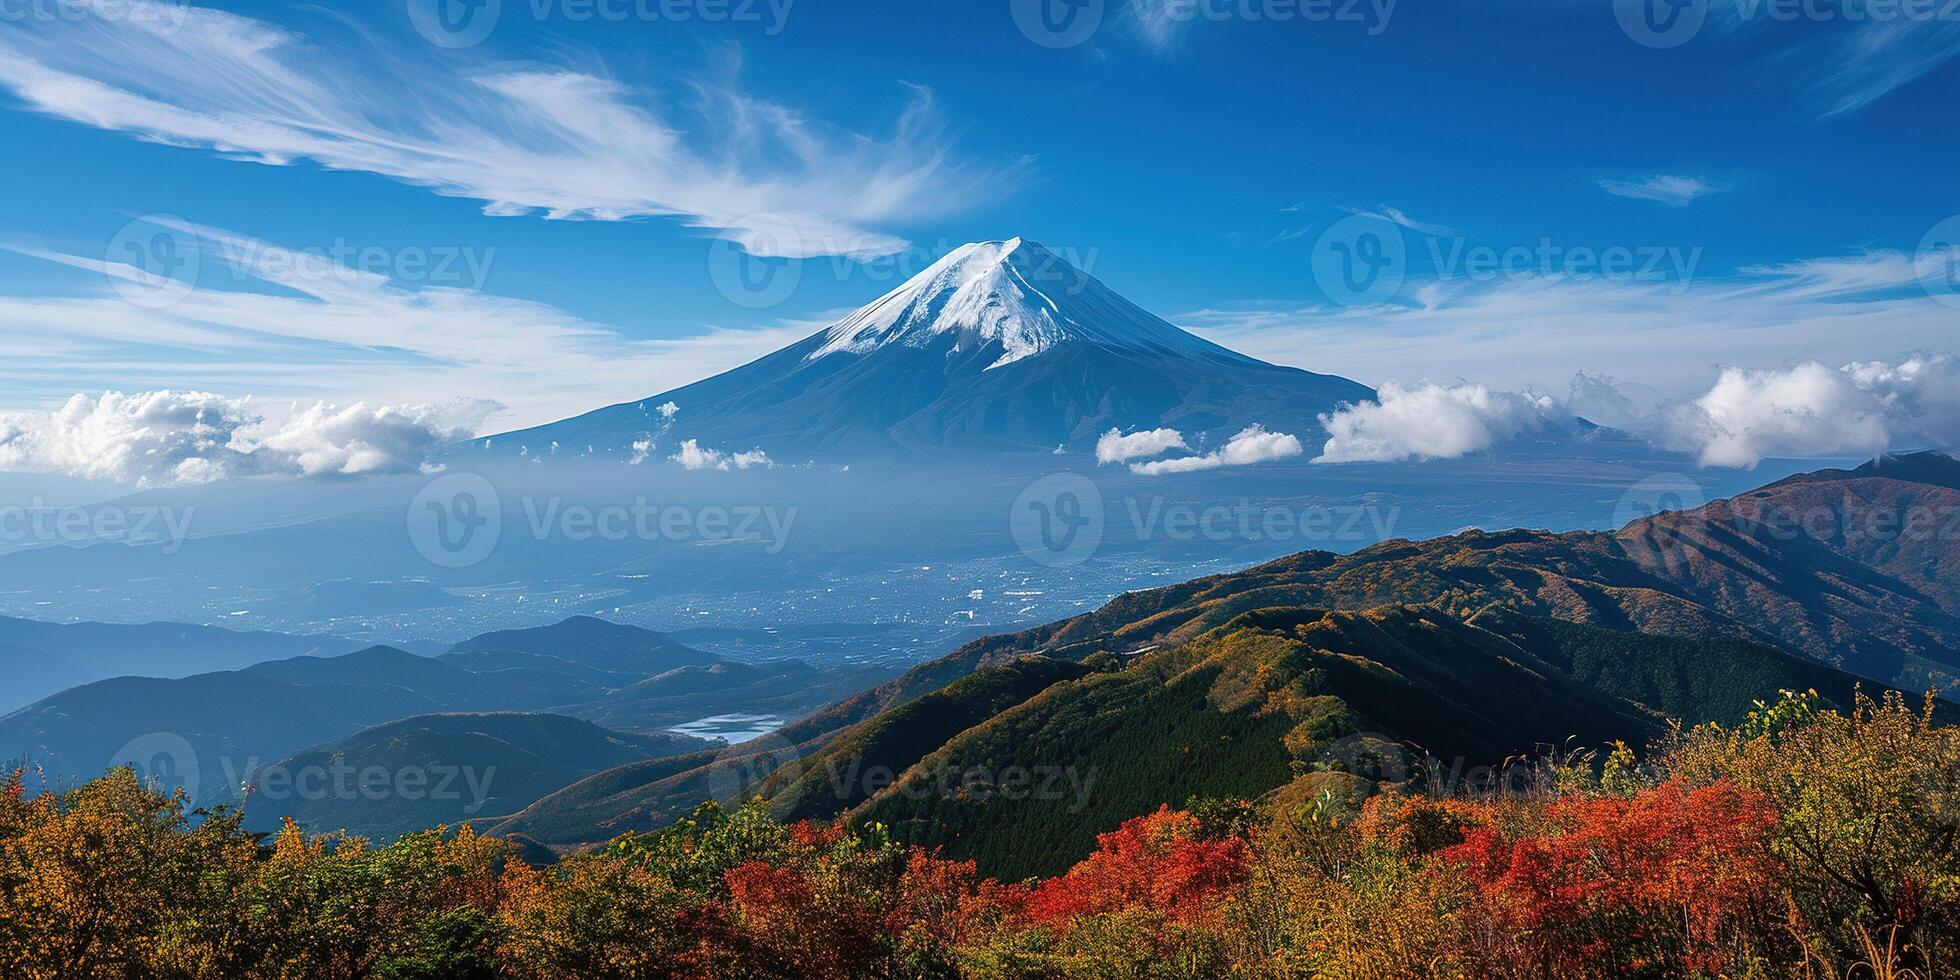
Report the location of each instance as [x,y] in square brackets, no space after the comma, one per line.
[1537,331]
[1858,52]
[1395,216]
[520,138]
[1669,189]
[292,326]
[1159,23]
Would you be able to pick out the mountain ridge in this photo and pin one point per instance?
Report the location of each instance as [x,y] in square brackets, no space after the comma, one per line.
[1694,613]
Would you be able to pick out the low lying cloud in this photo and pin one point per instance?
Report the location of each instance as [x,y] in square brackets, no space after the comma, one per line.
[644,446]
[1810,409]
[165,438]
[1807,409]
[1253,444]
[1115,447]
[693,457]
[1430,421]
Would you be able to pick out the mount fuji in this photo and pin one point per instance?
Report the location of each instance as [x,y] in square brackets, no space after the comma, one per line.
[997,347]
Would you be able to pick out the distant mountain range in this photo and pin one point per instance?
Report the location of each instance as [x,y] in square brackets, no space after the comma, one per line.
[209,732]
[1320,667]
[38,659]
[998,346]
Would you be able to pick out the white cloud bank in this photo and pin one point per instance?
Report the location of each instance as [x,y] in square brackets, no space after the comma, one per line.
[1253,444]
[692,456]
[1806,409]
[520,138]
[1429,421]
[164,438]
[1809,409]
[1115,447]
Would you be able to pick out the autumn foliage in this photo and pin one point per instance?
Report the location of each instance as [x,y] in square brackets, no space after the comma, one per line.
[1157,862]
[1666,875]
[1804,843]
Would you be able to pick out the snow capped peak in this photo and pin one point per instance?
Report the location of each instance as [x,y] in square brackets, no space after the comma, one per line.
[1013,293]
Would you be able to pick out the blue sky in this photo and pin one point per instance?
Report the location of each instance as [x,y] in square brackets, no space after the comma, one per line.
[1782,176]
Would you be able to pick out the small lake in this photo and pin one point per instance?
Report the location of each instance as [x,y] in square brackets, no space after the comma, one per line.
[735,729]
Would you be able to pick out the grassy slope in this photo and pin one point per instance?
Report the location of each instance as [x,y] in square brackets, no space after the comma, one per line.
[1240,712]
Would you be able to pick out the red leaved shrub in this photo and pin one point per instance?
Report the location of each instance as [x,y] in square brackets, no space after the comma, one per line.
[1665,875]
[1157,862]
